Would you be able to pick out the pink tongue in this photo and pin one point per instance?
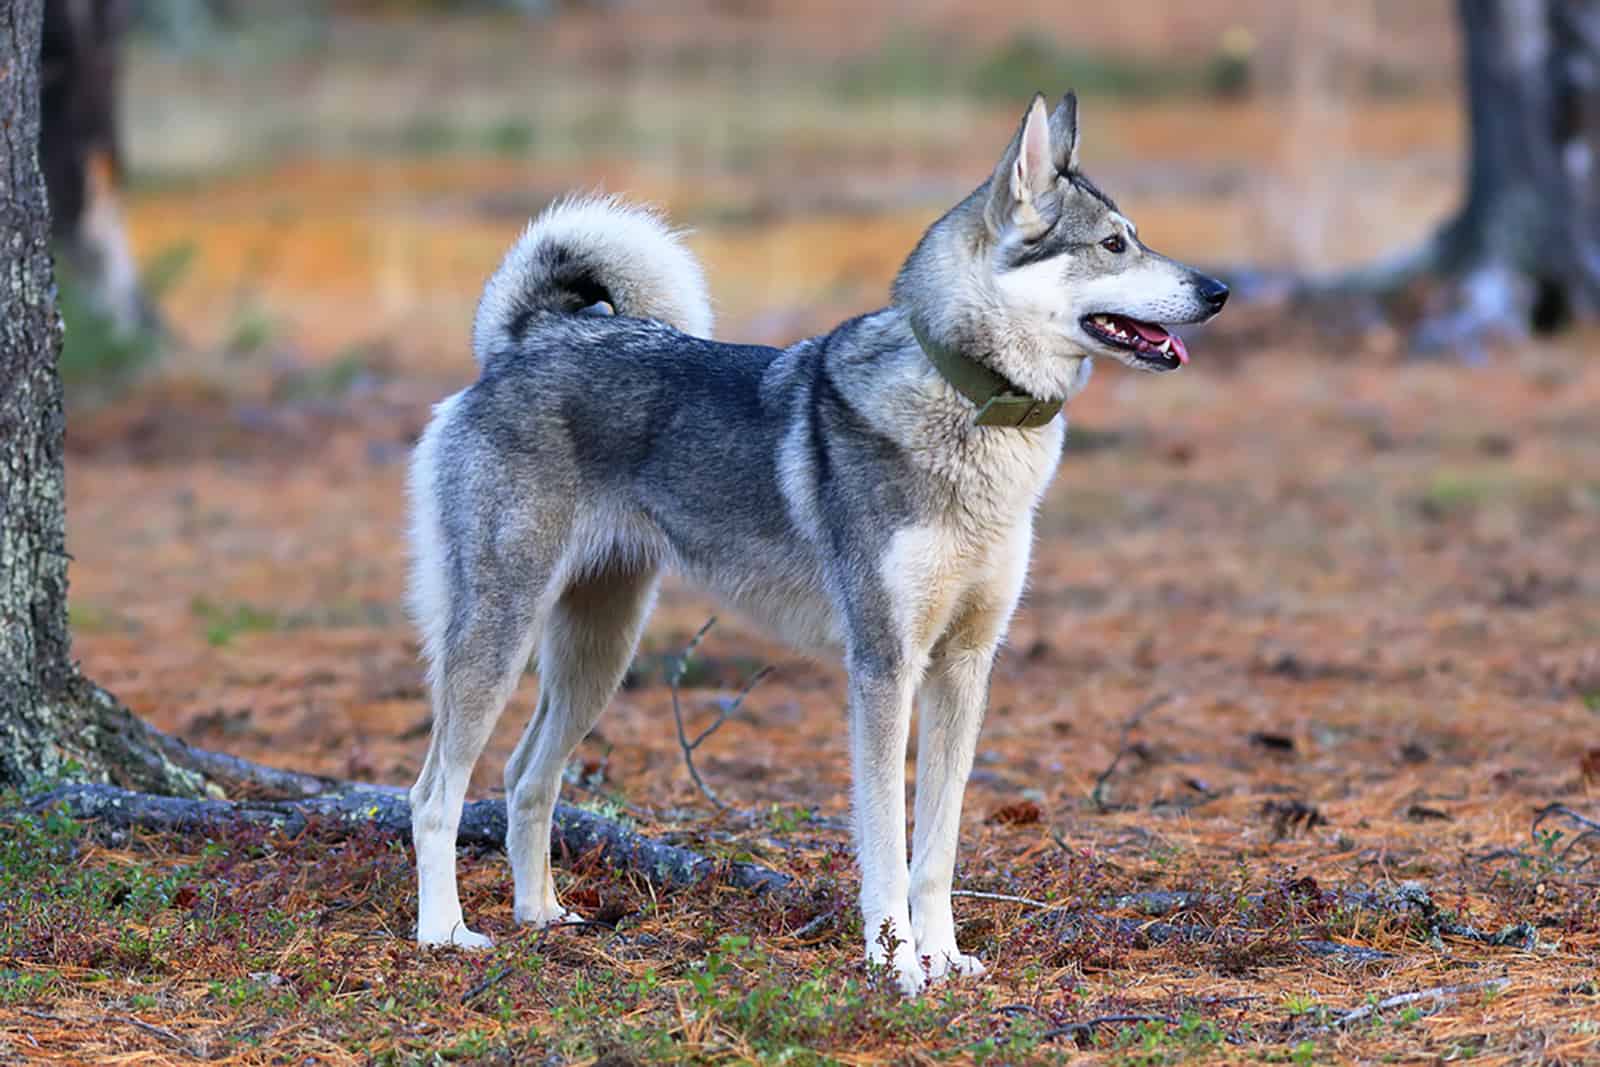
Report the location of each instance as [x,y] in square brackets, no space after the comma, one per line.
[1155,335]
[1148,330]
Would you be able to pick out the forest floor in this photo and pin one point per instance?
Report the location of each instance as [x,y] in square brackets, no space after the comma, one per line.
[1312,638]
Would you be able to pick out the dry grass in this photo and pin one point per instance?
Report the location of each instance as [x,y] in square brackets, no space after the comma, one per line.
[1379,657]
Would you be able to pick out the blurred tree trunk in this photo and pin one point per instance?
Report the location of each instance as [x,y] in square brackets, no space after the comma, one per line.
[81,154]
[53,722]
[1521,253]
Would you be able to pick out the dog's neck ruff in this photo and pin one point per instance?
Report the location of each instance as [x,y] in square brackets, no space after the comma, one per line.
[999,402]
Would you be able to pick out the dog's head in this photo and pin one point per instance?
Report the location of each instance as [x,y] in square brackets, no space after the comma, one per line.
[1066,260]
[1039,272]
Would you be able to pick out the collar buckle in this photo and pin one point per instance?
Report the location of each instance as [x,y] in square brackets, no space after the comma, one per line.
[999,402]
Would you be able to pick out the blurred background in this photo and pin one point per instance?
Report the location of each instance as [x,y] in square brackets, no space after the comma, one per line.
[1308,532]
[294,162]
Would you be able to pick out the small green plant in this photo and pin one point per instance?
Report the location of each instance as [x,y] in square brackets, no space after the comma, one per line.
[223,624]
[1548,859]
[98,352]
[20,987]
[1016,69]
[251,331]
[781,820]
[511,137]
[352,366]
[1299,1003]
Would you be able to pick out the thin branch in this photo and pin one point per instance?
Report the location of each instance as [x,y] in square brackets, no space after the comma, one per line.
[815,924]
[673,678]
[1004,898]
[1565,812]
[127,1020]
[1440,993]
[1097,795]
[725,711]
[492,979]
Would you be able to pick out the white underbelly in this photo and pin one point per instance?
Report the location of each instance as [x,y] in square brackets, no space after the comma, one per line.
[792,610]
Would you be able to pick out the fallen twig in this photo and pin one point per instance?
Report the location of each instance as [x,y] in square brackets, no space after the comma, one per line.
[726,711]
[162,1032]
[1004,898]
[1591,829]
[492,979]
[1088,1026]
[815,924]
[1073,924]
[1440,993]
[1136,931]
[1566,813]
[574,832]
[1097,795]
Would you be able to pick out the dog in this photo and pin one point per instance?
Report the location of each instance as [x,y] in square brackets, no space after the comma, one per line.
[867,494]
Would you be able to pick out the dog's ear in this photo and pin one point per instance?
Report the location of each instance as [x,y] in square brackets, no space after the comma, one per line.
[1064,133]
[1026,174]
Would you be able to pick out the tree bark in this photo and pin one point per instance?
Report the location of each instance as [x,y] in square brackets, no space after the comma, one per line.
[1522,253]
[80,152]
[53,722]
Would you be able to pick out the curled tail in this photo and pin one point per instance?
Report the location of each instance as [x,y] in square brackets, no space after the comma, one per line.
[587,249]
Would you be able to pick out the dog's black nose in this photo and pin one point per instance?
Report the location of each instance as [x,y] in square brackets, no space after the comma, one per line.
[1213,292]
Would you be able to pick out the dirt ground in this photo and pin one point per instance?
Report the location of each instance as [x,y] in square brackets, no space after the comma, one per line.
[1313,633]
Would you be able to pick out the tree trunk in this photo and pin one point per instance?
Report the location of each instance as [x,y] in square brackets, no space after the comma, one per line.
[1521,254]
[81,154]
[52,721]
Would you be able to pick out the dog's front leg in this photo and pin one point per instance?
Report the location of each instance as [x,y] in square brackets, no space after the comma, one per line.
[881,692]
[952,703]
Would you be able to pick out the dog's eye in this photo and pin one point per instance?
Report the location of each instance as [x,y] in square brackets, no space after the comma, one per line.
[1114,244]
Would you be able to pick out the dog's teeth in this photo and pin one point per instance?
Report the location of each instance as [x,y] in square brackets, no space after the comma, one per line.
[1166,346]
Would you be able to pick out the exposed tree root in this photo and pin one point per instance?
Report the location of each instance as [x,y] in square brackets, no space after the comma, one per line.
[242,778]
[1443,305]
[575,832]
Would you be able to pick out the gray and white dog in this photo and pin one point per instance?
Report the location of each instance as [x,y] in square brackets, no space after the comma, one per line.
[869,493]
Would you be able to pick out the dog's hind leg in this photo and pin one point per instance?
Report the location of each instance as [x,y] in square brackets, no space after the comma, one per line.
[476,674]
[589,640]
[480,590]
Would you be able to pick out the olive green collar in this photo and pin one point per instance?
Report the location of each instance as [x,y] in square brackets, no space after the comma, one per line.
[999,402]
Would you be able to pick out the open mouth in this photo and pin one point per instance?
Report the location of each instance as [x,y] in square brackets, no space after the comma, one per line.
[1150,344]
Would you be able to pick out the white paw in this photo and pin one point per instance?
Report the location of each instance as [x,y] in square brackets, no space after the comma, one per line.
[950,963]
[539,918]
[910,976]
[457,936]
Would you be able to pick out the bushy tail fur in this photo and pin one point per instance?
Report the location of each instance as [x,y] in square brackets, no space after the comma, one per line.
[587,249]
